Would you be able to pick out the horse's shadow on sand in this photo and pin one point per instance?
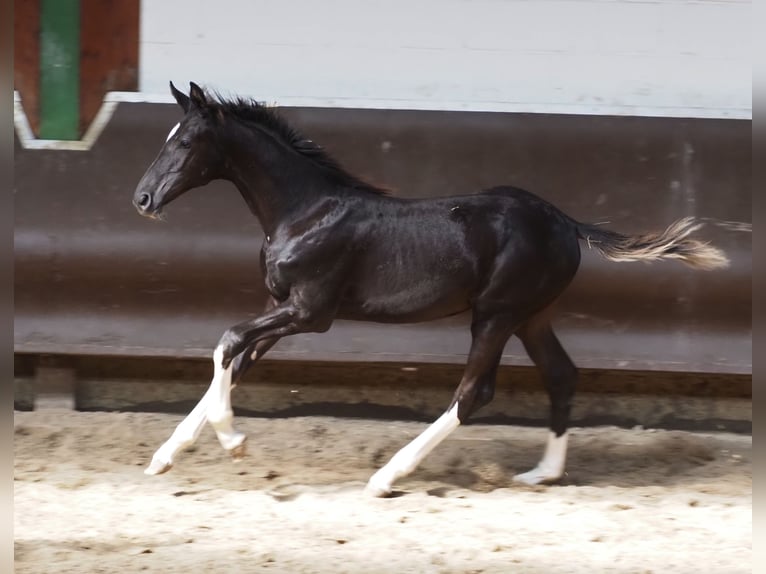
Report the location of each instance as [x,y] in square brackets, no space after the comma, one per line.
[664,459]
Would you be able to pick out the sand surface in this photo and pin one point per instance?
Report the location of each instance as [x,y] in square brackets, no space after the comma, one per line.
[633,501]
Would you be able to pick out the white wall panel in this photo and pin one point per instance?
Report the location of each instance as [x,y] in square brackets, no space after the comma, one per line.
[627,57]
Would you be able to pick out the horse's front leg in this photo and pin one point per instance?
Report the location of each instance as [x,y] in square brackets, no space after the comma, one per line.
[184,435]
[255,336]
[188,430]
[273,324]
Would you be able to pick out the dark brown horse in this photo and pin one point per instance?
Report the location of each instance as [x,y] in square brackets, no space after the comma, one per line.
[339,248]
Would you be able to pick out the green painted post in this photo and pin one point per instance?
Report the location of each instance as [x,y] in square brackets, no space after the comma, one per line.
[60,69]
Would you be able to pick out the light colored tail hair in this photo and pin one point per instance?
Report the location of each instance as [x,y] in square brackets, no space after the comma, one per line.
[673,243]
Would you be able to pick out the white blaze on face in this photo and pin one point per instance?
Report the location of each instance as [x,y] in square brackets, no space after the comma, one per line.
[172,132]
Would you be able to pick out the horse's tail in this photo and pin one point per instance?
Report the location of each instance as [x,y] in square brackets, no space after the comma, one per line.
[673,243]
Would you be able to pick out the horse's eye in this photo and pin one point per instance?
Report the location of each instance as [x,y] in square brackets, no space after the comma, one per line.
[185,143]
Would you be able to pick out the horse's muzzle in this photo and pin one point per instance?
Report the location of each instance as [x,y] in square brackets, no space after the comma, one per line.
[143,203]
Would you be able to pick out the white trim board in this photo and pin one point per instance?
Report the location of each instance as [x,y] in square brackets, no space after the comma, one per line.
[113,99]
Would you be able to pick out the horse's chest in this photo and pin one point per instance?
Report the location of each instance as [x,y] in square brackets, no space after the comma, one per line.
[275,266]
[284,264]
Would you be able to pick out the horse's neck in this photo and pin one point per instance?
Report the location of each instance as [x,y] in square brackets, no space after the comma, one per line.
[274,181]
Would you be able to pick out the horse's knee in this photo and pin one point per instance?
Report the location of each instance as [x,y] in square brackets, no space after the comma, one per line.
[236,349]
[484,395]
[230,345]
[471,399]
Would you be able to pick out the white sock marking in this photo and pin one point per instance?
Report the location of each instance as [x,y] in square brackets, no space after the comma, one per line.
[214,407]
[551,467]
[172,132]
[219,412]
[183,436]
[408,458]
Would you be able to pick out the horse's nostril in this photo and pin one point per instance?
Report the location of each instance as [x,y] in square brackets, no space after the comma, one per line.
[144,200]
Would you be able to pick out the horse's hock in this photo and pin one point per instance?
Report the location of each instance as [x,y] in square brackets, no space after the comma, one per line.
[98,288]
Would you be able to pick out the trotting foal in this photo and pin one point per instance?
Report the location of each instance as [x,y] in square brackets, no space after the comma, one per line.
[338,248]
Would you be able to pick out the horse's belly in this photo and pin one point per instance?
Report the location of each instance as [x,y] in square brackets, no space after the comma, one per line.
[425,299]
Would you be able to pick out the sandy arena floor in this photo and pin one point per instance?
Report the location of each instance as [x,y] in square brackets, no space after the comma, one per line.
[634,501]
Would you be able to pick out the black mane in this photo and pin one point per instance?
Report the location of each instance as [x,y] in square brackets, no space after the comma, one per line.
[252,111]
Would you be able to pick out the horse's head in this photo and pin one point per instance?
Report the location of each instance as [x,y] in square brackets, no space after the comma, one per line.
[190,157]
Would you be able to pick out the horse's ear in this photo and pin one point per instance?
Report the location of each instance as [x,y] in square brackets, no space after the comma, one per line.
[181,98]
[197,96]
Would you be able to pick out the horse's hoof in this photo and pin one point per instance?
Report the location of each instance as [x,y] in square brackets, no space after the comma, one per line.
[534,477]
[238,452]
[376,490]
[158,467]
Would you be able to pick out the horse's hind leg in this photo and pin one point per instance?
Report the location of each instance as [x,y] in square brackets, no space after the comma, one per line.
[188,430]
[560,376]
[475,390]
